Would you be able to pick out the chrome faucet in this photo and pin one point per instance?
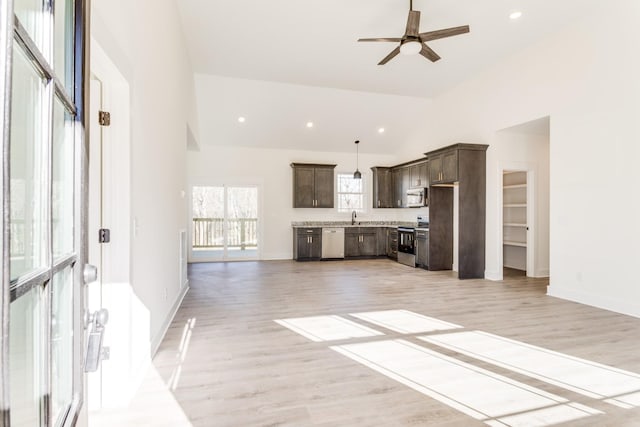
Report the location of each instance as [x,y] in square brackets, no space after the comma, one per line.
[353,217]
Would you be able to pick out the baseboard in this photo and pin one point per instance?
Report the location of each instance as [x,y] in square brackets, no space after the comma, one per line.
[277,256]
[596,300]
[541,273]
[493,275]
[157,340]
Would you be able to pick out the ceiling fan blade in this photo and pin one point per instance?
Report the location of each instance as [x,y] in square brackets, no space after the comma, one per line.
[428,53]
[413,23]
[389,57]
[382,39]
[440,34]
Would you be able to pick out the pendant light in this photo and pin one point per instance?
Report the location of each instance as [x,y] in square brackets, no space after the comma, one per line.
[357,174]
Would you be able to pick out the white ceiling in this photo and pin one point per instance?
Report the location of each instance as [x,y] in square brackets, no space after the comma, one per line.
[305,45]
[313,42]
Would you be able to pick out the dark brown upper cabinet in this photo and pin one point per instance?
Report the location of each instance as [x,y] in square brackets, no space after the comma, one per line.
[390,184]
[443,166]
[418,175]
[382,187]
[313,185]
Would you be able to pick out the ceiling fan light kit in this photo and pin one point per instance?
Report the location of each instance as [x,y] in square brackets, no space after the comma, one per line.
[411,47]
[414,41]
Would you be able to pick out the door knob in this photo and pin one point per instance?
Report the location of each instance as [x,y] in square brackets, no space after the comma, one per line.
[89,273]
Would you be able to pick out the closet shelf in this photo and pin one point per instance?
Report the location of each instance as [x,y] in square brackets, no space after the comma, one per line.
[514,243]
[515,205]
[506,187]
[514,224]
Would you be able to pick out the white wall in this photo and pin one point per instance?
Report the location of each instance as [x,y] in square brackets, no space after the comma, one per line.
[586,80]
[145,41]
[270,169]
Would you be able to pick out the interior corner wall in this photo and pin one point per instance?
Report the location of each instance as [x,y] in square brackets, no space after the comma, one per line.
[587,82]
[144,40]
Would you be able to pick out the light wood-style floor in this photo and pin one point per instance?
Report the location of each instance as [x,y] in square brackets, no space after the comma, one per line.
[227,363]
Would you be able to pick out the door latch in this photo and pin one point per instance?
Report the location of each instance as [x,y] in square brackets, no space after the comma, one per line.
[95,352]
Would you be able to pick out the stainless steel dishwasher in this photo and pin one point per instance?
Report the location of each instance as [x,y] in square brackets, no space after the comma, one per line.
[332,243]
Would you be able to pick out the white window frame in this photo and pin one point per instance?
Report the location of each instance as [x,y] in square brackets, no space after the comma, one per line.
[363,193]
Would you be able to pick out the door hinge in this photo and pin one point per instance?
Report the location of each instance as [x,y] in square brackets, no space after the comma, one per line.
[104,235]
[104,118]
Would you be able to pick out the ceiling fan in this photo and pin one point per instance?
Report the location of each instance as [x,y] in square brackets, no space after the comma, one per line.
[415,42]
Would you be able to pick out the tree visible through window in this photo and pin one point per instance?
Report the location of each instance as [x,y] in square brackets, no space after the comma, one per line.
[350,193]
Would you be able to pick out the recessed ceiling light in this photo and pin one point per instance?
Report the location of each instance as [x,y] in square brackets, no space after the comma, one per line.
[241,119]
[309,124]
[515,15]
[381,130]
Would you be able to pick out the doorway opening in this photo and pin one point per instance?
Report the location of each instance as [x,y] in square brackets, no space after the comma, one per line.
[224,225]
[523,199]
[514,222]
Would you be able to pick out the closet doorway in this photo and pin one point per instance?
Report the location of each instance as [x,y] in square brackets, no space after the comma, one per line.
[523,189]
[514,222]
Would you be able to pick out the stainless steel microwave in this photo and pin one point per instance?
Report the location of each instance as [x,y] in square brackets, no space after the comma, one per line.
[417,197]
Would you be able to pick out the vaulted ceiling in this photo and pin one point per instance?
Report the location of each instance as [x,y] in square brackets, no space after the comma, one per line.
[314,43]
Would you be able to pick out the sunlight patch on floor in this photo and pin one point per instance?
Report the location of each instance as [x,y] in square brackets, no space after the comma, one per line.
[327,328]
[618,387]
[404,321]
[481,394]
[153,405]
[181,355]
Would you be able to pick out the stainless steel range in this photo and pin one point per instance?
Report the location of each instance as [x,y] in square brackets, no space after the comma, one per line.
[407,241]
[406,246]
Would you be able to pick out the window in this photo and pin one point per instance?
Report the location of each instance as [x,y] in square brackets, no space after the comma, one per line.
[350,193]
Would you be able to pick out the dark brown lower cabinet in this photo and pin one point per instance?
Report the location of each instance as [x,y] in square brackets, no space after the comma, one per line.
[360,242]
[392,243]
[422,248]
[307,244]
[382,241]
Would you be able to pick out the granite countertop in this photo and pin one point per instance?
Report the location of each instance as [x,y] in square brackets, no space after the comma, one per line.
[302,224]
